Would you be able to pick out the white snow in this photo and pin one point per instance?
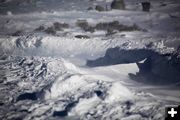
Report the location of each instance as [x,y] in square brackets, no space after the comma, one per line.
[85,105]
[118,92]
[53,67]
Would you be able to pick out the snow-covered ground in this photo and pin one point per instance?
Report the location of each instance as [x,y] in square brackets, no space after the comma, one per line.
[50,68]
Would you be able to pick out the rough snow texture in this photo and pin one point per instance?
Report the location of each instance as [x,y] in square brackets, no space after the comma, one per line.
[47,72]
[40,87]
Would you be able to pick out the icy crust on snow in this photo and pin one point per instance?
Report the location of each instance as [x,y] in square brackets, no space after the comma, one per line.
[39,88]
[29,73]
[25,75]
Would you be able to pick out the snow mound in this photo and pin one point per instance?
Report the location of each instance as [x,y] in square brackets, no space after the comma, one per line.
[55,88]
[118,92]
